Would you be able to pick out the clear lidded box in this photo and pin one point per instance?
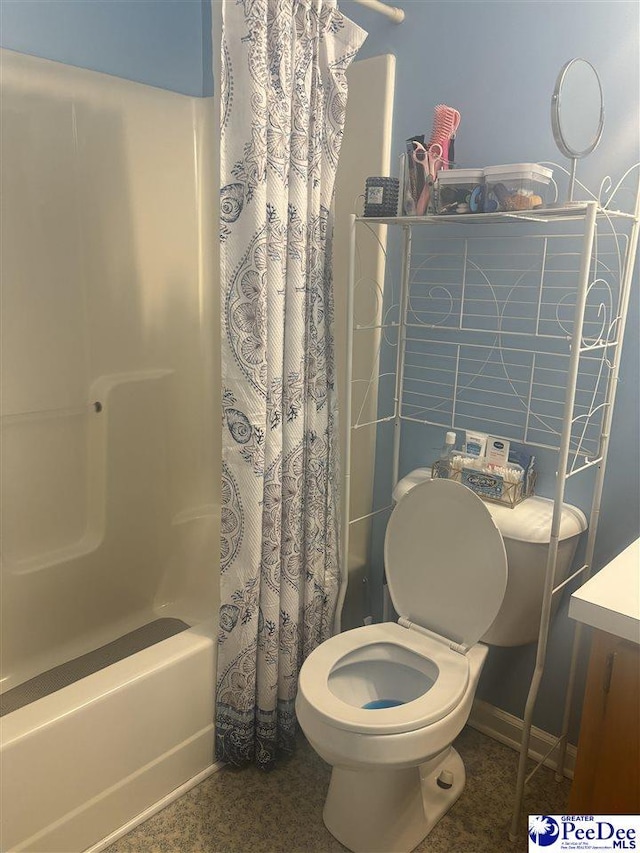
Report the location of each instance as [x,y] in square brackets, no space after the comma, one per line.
[459,191]
[517,186]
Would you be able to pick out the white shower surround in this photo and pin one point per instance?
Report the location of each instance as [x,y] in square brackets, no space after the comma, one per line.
[110,518]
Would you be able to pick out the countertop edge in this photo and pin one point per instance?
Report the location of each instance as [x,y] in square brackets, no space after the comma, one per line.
[610,600]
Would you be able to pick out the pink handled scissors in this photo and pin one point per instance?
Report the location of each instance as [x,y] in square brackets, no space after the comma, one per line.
[436,158]
[431,160]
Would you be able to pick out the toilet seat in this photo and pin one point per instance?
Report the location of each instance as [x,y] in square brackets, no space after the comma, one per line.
[433,705]
[445,561]
[447,572]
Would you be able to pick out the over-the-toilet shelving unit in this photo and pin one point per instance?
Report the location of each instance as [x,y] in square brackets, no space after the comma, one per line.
[511,323]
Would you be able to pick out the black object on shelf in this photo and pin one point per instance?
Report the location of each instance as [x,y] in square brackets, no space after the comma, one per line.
[381,196]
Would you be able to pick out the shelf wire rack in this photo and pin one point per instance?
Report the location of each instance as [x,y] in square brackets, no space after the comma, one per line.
[511,324]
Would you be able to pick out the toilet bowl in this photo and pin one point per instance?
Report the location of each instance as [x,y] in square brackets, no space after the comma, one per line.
[383,703]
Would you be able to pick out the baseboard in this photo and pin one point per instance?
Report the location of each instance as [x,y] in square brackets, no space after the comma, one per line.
[507,729]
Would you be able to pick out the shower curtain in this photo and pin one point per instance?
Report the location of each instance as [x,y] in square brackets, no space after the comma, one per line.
[283,103]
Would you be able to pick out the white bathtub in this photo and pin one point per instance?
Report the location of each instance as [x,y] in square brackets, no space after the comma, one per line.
[83,765]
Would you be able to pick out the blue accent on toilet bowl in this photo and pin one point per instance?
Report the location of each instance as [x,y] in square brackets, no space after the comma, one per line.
[376,704]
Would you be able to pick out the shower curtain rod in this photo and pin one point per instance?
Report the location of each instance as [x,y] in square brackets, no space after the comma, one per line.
[391,12]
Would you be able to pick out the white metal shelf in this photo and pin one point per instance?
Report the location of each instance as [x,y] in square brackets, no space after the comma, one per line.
[541,214]
[515,330]
[488,330]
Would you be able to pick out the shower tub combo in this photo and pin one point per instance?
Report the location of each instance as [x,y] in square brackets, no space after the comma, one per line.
[110,504]
[111,443]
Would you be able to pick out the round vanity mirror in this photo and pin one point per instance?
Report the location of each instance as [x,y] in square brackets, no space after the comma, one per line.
[577,112]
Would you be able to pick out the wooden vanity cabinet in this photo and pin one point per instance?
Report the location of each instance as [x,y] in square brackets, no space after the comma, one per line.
[607,772]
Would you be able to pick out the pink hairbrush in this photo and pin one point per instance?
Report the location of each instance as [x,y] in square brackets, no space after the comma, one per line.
[446,121]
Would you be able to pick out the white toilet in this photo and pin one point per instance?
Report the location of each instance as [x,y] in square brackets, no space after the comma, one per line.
[383,703]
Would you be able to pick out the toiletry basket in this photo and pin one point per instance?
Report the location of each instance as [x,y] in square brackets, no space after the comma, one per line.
[488,486]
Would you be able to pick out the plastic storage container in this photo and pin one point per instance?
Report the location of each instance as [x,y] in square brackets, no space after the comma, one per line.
[459,191]
[518,186]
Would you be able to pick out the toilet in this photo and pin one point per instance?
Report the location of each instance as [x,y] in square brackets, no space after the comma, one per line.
[383,703]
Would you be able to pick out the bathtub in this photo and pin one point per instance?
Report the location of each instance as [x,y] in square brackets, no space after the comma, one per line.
[97,741]
[87,763]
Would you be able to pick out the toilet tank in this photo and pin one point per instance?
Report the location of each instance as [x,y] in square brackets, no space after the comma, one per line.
[526,531]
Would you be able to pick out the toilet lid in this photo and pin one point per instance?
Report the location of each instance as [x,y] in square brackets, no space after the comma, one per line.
[445,561]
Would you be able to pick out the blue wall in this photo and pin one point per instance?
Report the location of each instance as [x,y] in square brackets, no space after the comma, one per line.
[165,43]
[497,63]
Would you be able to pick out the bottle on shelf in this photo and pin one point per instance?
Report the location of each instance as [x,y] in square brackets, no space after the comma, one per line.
[444,460]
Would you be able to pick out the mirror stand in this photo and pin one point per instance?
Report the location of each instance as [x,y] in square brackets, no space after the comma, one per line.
[577,113]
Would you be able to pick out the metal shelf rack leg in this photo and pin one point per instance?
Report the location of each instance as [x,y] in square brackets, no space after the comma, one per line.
[581,301]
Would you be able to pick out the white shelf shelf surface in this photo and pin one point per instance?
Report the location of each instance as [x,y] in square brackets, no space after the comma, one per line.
[542,214]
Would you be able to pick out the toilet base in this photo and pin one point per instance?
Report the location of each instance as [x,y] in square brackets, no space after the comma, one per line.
[391,811]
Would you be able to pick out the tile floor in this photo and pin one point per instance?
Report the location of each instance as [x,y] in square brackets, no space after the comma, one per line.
[248,811]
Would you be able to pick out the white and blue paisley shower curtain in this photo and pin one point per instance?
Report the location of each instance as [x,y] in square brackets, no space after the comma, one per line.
[283,106]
